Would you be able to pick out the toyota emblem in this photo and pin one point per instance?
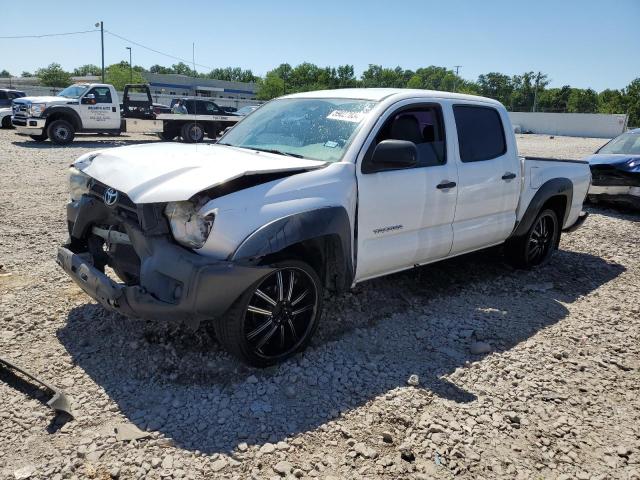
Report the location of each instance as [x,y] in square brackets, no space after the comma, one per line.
[110,197]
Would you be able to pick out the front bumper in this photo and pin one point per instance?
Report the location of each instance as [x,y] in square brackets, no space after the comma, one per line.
[29,126]
[628,195]
[175,284]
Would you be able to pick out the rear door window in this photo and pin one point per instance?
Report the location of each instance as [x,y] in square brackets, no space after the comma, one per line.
[480,133]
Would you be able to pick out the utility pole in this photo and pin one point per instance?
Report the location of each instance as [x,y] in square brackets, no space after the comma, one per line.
[130,66]
[455,81]
[101,25]
[535,92]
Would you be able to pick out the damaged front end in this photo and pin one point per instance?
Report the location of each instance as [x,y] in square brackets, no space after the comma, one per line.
[615,179]
[158,276]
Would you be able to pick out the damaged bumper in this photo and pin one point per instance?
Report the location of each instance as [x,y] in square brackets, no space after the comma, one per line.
[173,283]
[58,402]
[175,286]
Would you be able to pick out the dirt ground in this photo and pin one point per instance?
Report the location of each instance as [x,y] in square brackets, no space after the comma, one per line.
[557,395]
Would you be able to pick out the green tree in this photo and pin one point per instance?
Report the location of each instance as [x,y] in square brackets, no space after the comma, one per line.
[346,76]
[119,75]
[582,101]
[4,74]
[526,87]
[381,77]
[632,102]
[497,86]
[54,76]
[26,74]
[182,68]
[554,99]
[160,69]
[86,70]
[611,101]
[271,86]
[232,74]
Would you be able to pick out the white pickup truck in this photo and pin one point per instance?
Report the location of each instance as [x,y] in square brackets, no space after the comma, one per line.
[313,191]
[95,108]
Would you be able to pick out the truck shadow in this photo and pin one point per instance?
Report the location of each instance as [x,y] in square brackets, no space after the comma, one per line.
[371,341]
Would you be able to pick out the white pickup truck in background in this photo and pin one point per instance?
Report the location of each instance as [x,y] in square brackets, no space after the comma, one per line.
[313,191]
[95,108]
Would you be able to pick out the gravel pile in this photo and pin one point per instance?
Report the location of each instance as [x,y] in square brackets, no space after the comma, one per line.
[465,368]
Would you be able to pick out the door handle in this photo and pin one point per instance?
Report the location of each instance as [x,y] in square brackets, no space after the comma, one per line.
[509,176]
[444,185]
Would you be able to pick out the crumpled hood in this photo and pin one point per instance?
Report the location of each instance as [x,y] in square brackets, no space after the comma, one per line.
[44,100]
[610,158]
[173,171]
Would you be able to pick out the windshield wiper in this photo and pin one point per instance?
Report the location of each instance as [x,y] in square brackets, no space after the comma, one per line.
[268,150]
[277,152]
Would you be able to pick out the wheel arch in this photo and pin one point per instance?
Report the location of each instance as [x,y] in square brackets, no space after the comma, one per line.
[556,194]
[63,113]
[321,237]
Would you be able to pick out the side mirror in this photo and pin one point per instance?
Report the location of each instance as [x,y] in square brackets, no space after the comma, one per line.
[392,155]
[89,99]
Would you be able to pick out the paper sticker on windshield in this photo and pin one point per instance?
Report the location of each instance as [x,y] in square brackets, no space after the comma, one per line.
[346,116]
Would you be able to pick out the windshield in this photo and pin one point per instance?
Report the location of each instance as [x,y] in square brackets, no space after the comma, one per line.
[626,144]
[74,91]
[318,129]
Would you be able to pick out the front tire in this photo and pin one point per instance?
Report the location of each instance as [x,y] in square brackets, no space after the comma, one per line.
[275,317]
[61,132]
[192,132]
[6,122]
[536,247]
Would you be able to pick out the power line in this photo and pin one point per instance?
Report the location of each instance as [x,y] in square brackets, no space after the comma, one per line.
[157,51]
[48,34]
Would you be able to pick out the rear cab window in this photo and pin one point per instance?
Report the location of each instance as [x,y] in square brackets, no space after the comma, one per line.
[480,133]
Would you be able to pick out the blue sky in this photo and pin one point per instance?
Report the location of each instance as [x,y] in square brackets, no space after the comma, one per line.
[584,43]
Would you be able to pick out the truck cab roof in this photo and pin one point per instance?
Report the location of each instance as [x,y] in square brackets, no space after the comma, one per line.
[378,94]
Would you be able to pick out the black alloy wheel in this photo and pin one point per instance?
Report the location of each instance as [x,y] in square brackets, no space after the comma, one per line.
[541,239]
[276,317]
[536,246]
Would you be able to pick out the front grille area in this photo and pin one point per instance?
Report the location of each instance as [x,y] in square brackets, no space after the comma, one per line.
[20,110]
[609,175]
[123,205]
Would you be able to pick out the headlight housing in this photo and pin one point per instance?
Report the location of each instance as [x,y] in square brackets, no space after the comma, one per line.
[79,183]
[188,227]
[36,109]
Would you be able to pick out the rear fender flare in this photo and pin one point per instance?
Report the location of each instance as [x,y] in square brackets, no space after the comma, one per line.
[551,188]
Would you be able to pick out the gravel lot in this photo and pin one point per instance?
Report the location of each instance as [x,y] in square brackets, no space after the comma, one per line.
[395,385]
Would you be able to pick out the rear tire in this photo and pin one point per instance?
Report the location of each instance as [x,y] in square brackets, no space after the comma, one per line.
[275,317]
[192,132]
[39,138]
[61,132]
[535,247]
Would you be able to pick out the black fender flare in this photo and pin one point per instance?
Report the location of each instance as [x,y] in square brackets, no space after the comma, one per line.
[551,188]
[299,227]
[63,110]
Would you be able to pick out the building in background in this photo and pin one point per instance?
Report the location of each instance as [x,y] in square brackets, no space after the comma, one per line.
[184,86]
